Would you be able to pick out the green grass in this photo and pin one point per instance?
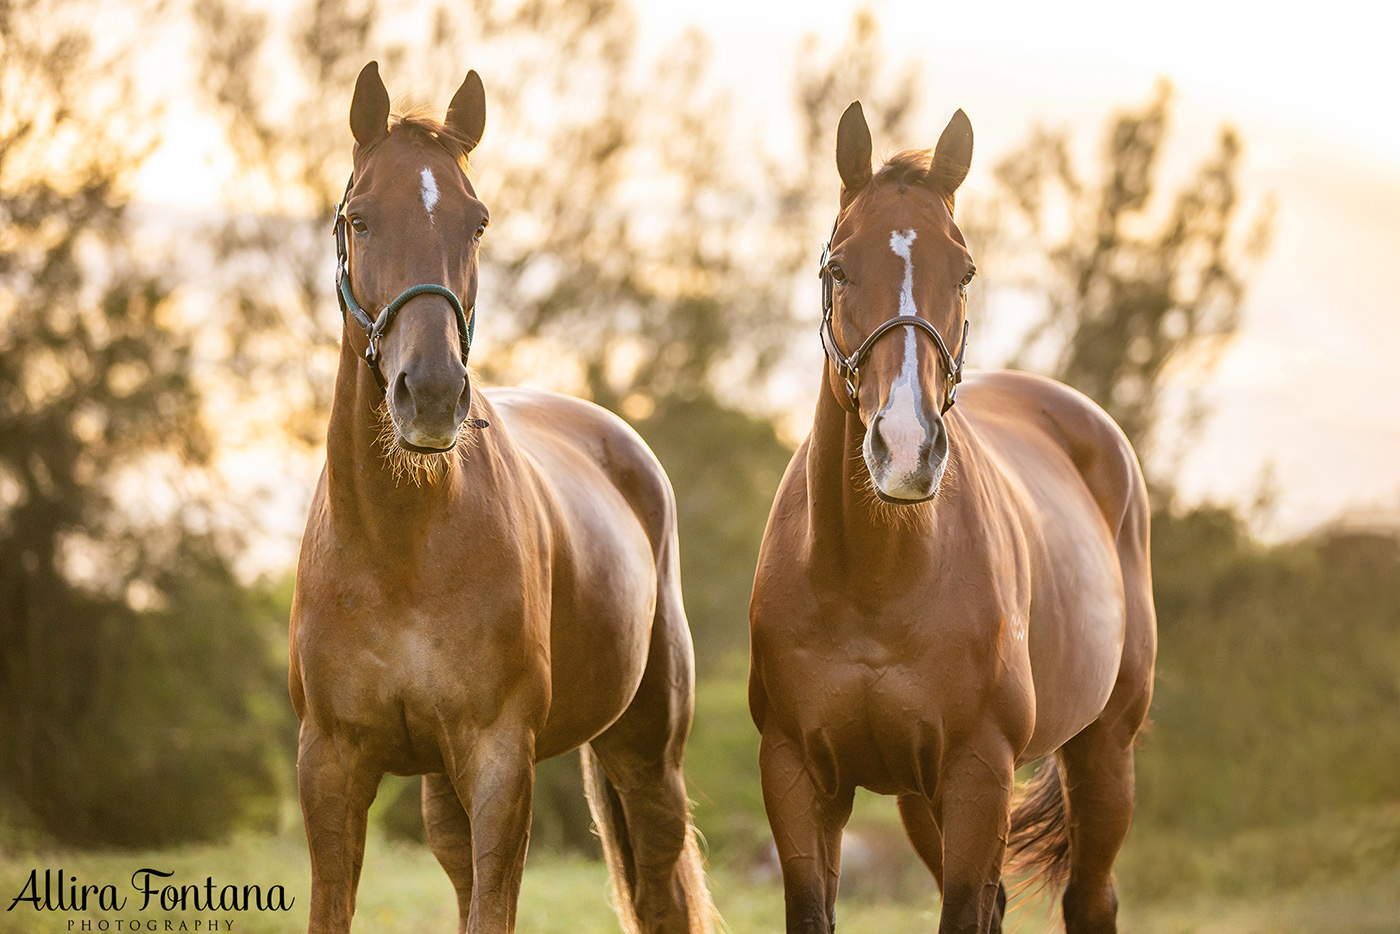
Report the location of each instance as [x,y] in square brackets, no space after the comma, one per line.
[1336,875]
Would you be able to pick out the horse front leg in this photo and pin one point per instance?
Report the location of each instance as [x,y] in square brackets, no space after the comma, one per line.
[496,785]
[807,822]
[450,836]
[336,786]
[975,797]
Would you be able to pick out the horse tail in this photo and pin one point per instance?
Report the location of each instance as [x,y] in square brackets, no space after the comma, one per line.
[700,907]
[1039,844]
[606,807]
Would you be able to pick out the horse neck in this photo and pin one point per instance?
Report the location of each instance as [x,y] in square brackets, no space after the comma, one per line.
[384,515]
[851,532]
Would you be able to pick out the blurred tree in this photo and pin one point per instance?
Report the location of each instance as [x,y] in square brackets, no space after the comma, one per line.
[1129,296]
[127,648]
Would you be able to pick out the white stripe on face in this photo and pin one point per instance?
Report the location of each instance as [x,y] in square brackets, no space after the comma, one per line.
[430,192]
[902,426]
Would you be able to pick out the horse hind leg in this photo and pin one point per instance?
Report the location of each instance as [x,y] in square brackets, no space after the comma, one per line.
[642,814]
[924,833]
[636,791]
[611,824]
[450,836]
[1069,827]
[1099,790]
[1099,779]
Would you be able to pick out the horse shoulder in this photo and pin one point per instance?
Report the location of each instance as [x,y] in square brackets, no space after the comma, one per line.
[1088,436]
[542,420]
[782,574]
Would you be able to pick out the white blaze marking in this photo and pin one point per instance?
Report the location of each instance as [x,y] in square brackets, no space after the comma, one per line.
[430,192]
[903,427]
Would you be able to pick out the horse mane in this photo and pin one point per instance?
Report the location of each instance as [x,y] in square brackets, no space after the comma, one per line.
[423,123]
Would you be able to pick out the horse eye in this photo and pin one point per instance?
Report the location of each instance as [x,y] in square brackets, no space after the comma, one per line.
[358,225]
[481,229]
[968,278]
[836,272]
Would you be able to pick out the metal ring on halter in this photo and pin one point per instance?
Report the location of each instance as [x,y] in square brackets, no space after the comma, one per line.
[848,367]
[375,328]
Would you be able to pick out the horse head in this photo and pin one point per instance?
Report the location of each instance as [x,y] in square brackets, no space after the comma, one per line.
[410,229]
[896,275]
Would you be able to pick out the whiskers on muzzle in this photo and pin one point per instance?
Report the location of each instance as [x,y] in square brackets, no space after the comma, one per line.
[902,516]
[420,469]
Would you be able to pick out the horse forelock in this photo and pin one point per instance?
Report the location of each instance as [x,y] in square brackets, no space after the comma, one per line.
[422,123]
[906,169]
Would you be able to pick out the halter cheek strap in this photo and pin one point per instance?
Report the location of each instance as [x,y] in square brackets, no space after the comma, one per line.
[848,367]
[375,327]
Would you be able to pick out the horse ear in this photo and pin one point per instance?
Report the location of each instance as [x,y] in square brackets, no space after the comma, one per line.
[369,110]
[467,112]
[853,149]
[952,157]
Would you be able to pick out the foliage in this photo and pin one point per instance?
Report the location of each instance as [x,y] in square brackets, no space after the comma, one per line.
[131,661]
[1129,295]
[1278,675]
[725,466]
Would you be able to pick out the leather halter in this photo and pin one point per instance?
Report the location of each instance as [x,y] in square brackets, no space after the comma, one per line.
[848,367]
[375,328]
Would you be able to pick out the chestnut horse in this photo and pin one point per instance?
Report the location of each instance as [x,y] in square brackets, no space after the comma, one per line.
[945,593]
[487,580]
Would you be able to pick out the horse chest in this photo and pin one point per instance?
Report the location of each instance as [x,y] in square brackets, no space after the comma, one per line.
[402,671]
[881,690]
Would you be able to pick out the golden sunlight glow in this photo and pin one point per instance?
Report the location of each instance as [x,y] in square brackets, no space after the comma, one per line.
[1309,386]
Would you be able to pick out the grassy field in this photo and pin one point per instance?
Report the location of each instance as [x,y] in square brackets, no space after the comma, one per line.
[1334,876]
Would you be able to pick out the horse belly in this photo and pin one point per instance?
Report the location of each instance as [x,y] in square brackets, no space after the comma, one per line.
[600,635]
[1076,635]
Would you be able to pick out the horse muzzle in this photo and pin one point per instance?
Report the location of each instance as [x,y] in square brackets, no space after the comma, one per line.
[428,405]
[906,461]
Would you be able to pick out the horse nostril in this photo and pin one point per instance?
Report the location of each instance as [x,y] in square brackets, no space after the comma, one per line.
[935,447]
[877,441]
[464,401]
[401,397]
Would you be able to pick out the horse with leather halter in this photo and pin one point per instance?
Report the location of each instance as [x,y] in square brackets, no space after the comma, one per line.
[486,580]
[946,592]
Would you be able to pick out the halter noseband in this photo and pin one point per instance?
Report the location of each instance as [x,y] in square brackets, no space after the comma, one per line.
[848,368]
[375,328]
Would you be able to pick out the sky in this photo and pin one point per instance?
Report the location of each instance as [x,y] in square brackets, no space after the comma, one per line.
[1308,395]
